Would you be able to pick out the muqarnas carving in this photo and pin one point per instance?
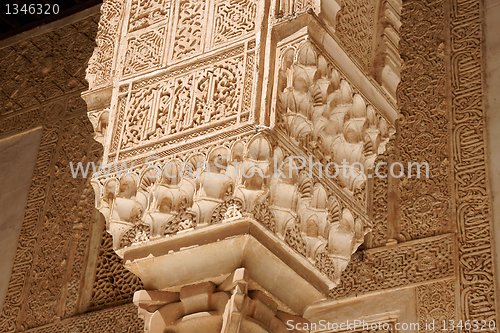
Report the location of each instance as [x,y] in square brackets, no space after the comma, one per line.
[227,184]
[321,111]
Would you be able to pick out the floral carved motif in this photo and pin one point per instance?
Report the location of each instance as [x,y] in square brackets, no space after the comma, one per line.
[189,30]
[436,303]
[355,27]
[423,135]
[144,13]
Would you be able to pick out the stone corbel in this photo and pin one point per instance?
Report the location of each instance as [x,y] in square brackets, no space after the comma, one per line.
[229,307]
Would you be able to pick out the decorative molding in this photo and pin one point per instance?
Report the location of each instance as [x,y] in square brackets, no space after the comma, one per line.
[471,189]
[398,265]
[206,186]
[387,61]
[321,111]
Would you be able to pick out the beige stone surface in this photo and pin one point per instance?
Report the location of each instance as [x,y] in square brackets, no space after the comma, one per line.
[17,161]
[492,100]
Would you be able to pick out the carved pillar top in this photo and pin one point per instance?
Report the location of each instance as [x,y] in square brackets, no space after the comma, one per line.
[209,111]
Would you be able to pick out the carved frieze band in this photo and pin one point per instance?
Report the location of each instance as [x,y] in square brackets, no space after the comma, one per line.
[476,271]
[400,265]
[190,101]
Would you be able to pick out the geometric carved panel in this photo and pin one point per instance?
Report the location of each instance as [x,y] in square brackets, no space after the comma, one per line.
[233,18]
[405,264]
[144,51]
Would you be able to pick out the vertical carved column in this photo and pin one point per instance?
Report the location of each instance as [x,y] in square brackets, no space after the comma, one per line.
[387,61]
[451,135]
[472,204]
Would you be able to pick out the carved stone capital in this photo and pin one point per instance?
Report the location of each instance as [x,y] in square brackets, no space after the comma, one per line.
[229,307]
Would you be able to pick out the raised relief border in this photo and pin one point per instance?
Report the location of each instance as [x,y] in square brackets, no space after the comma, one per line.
[472,204]
[400,265]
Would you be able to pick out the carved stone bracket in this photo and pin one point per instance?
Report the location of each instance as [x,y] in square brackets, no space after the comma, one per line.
[228,307]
